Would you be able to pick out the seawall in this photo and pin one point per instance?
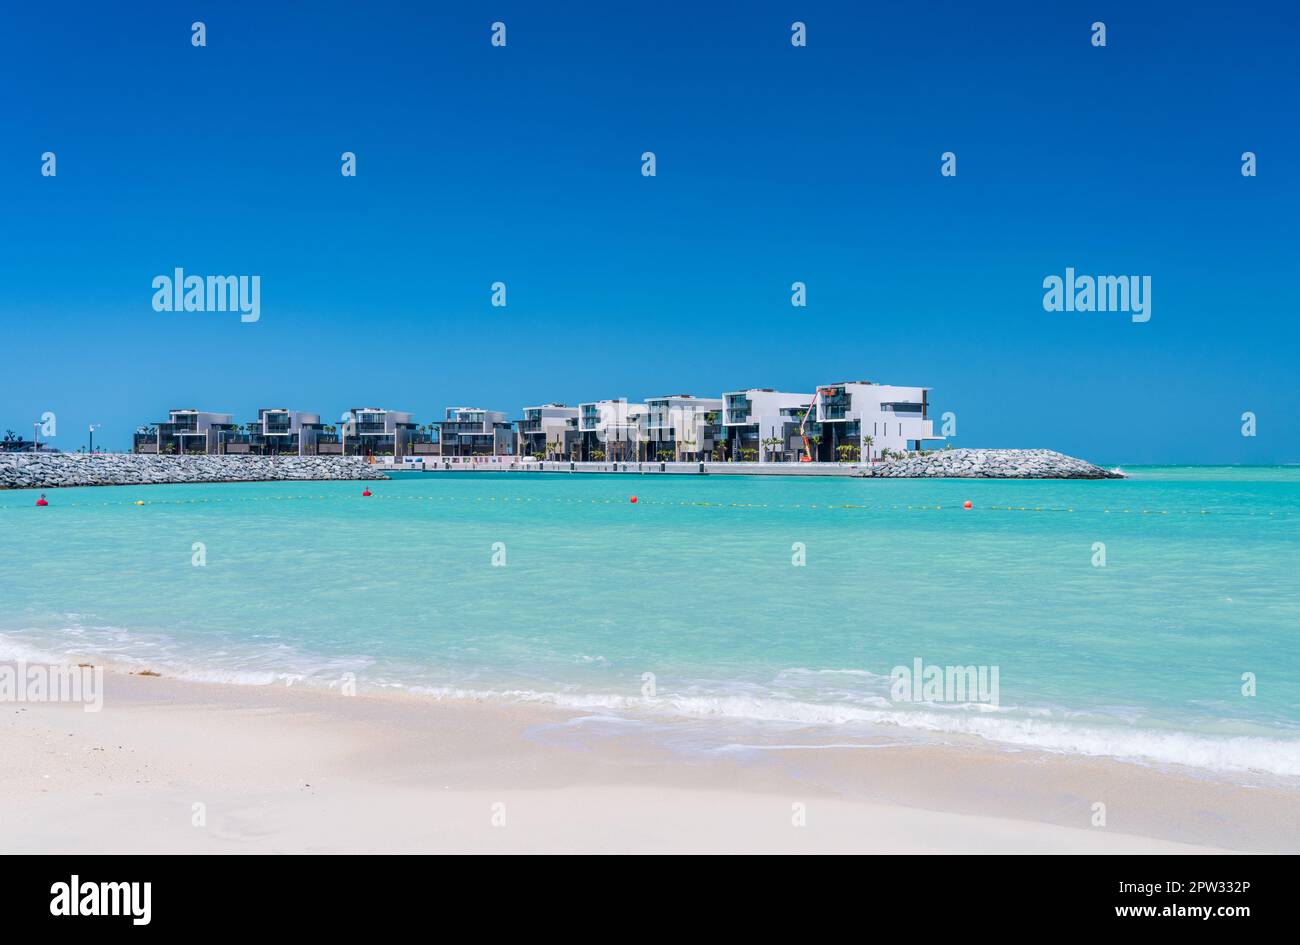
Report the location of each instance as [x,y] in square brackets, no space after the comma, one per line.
[54,470]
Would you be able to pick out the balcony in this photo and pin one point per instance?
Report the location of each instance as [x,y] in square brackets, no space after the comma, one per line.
[450,428]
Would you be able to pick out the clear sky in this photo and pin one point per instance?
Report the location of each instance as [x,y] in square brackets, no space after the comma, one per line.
[774,164]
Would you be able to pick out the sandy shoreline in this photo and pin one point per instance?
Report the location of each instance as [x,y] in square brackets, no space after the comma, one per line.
[279,769]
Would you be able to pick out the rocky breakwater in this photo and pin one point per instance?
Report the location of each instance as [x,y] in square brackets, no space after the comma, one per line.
[989,464]
[52,470]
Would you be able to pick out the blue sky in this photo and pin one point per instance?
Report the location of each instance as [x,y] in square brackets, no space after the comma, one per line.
[775,164]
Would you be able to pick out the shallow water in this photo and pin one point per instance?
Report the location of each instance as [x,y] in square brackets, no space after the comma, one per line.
[308,582]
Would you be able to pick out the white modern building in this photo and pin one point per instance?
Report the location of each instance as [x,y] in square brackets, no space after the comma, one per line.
[185,431]
[753,420]
[281,432]
[473,431]
[681,427]
[610,430]
[872,417]
[550,430]
[376,431]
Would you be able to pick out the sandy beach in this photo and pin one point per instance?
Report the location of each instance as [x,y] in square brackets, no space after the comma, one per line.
[178,766]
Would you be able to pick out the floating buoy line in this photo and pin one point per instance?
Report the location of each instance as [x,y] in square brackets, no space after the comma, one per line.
[700,504]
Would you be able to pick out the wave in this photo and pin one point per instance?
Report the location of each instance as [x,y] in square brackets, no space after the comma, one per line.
[1241,753]
[1053,730]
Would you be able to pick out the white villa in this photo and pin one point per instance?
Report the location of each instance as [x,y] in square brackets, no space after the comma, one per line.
[681,426]
[872,417]
[753,418]
[376,431]
[473,431]
[285,432]
[548,430]
[610,430]
[185,431]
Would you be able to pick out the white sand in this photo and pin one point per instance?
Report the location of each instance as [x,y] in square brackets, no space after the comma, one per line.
[287,770]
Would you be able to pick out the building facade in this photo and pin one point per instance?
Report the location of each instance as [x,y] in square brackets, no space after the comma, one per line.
[762,424]
[847,421]
[549,431]
[681,427]
[376,431]
[185,432]
[473,431]
[867,418]
[610,431]
[276,432]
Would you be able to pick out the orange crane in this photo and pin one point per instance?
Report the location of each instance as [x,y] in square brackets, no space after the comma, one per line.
[803,424]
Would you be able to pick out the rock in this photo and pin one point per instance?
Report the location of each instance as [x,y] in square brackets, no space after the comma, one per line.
[53,470]
[989,464]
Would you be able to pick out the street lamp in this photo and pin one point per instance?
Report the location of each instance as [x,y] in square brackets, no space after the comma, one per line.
[93,428]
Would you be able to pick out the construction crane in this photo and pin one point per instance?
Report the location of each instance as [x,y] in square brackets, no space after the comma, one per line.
[803,424]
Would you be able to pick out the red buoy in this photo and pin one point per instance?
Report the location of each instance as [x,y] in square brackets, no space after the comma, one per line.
[966,504]
[41,500]
[633,500]
[367,492]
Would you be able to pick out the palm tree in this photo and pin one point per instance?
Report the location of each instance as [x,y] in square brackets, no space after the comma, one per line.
[816,441]
[866,443]
[772,442]
[554,446]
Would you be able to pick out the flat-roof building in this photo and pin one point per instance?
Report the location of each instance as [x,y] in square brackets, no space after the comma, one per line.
[473,431]
[681,427]
[376,431]
[549,430]
[870,417]
[185,431]
[763,424]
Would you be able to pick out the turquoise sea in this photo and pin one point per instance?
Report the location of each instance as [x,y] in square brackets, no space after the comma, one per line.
[305,583]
